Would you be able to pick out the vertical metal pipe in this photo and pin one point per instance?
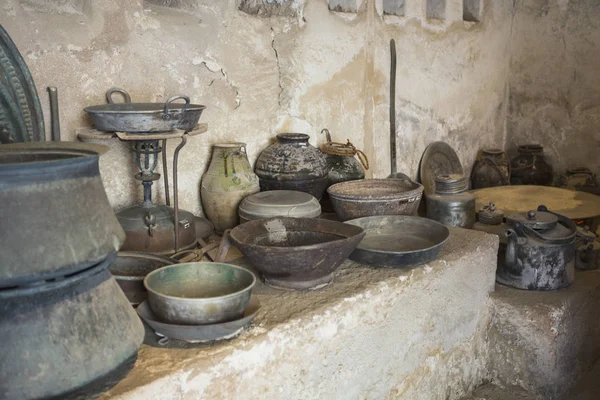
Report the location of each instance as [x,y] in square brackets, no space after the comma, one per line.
[175,194]
[53,91]
[165,172]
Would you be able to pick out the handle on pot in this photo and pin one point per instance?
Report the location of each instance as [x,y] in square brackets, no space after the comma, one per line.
[111,91]
[223,247]
[166,116]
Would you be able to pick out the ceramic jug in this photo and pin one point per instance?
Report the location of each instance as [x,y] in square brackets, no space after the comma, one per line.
[529,167]
[227,181]
[492,168]
[293,164]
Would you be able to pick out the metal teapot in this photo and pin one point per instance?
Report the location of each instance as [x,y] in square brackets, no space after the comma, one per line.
[540,251]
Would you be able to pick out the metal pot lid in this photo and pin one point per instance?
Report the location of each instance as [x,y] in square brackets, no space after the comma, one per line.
[272,203]
[538,220]
[490,215]
[451,184]
[438,159]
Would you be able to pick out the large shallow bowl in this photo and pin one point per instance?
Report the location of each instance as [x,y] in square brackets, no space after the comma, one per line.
[199,293]
[366,197]
[399,240]
[296,253]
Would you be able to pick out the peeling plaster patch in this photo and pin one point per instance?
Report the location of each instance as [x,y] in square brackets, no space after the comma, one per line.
[145,22]
[213,66]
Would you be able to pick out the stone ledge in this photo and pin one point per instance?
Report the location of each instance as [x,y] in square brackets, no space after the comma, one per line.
[416,334]
[544,341]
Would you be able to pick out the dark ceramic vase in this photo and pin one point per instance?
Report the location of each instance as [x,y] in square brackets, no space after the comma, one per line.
[530,168]
[492,168]
[292,164]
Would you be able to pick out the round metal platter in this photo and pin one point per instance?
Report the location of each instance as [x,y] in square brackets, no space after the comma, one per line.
[20,104]
[199,333]
[522,198]
[438,159]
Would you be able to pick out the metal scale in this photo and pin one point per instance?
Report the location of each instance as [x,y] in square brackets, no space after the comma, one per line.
[150,227]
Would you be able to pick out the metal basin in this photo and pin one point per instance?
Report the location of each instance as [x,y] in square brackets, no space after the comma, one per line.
[366,197]
[199,293]
[296,253]
[399,240]
[53,202]
[64,334]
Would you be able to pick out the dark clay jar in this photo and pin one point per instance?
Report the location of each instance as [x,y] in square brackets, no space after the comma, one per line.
[492,168]
[292,164]
[530,168]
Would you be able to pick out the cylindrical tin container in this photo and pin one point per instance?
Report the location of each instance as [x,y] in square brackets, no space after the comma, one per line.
[55,218]
[492,168]
[279,203]
[529,167]
[293,164]
[228,180]
[451,204]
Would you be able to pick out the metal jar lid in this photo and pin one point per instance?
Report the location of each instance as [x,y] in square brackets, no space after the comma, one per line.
[451,184]
[275,203]
[490,215]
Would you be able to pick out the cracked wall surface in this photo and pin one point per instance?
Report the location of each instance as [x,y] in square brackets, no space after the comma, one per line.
[264,67]
[555,85]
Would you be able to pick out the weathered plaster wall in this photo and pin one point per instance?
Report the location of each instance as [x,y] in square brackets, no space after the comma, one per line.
[555,85]
[303,69]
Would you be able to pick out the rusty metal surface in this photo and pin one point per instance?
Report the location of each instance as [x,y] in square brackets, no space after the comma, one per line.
[367,197]
[517,199]
[54,204]
[62,335]
[398,240]
[199,293]
[296,253]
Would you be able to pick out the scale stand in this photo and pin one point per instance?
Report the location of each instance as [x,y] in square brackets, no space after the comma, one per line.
[142,223]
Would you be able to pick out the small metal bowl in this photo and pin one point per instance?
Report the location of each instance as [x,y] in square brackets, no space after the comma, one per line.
[199,293]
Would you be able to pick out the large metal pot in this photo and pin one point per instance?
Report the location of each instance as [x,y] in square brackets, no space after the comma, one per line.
[55,218]
[61,335]
[144,117]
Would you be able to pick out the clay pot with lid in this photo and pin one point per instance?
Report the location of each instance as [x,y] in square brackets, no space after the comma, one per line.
[529,167]
[492,168]
[293,164]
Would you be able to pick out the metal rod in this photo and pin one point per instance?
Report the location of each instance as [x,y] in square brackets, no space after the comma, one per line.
[175,194]
[165,172]
[53,91]
[393,106]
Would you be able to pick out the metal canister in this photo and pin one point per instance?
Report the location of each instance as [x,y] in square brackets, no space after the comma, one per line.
[451,204]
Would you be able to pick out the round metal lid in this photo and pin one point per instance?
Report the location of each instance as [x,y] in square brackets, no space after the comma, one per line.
[451,183]
[275,203]
[538,220]
[490,215]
